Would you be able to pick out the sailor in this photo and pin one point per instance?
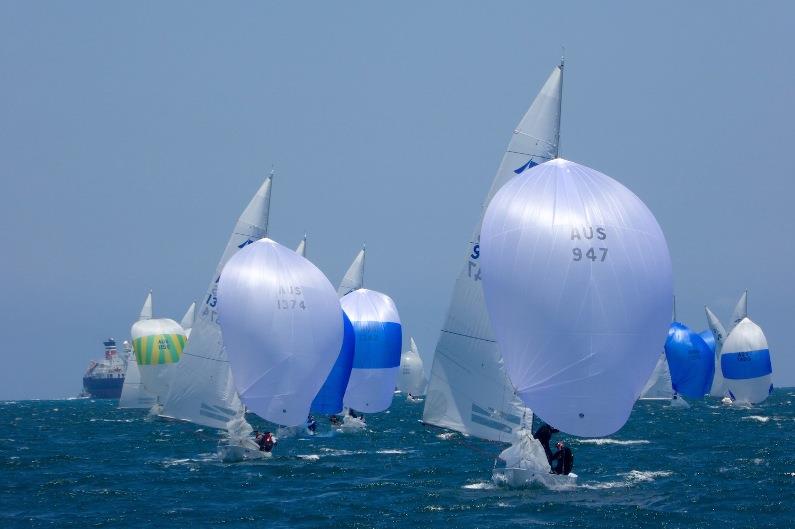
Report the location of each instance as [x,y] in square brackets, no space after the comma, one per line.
[334,420]
[544,436]
[563,459]
[311,424]
[265,442]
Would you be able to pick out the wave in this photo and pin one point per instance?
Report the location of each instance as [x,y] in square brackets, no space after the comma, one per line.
[760,418]
[309,457]
[623,442]
[631,478]
[393,451]
[480,485]
[446,436]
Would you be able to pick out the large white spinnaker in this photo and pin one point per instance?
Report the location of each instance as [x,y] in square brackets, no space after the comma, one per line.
[468,390]
[354,277]
[133,392]
[717,389]
[412,377]
[202,391]
[283,328]
[578,283]
[158,345]
[658,387]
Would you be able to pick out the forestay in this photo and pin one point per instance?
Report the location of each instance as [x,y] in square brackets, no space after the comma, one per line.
[202,391]
[376,357]
[468,390]
[283,329]
[745,362]
[578,283]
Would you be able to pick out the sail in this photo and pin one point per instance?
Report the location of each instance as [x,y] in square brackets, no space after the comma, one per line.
[329,399]
[146,310]
[202,390]
[354,277]
[187,320]
[659,384]
[158,345]
[376,356]
[468,390]
[691,361]
[283,329]
[133,393]
[579,287]
[412,377]
[719,334]
[301,250]
[745,362]
[740,311]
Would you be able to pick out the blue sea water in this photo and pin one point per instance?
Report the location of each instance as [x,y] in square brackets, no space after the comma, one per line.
[84,463]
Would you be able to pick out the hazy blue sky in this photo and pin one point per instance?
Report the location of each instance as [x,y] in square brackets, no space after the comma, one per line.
[132,135]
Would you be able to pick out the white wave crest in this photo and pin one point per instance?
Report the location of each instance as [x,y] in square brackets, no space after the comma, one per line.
[480,485]
[623,442]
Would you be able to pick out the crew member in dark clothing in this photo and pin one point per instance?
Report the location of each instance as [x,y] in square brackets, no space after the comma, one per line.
[544,436]
[563,459]
[266,442]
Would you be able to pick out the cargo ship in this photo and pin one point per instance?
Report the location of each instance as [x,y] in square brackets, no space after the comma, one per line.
[104,379]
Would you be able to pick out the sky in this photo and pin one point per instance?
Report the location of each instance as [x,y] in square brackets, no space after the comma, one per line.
[133,134]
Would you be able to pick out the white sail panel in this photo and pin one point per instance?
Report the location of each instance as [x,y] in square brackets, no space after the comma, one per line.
[578,283]
[412,377]
[659,384]
[376,357]
[301,250]
[468,390]
[717,389]
[283,328]
[146,310]
[740,311]
[187,320]
[133,393]
[745,362]
[202,391]
[354,277]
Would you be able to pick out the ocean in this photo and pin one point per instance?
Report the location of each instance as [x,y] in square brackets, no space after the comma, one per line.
[84,463]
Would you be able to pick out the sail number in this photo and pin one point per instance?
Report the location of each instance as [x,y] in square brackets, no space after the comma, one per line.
[580,233]
[291,298]
[473,269]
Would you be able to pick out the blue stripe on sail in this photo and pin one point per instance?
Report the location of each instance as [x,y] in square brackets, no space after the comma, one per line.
[329,399]
[378,344]
[749,364]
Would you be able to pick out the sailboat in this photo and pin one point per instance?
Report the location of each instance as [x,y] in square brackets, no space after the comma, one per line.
[719,334]
[133,393]
[578,283]
[158,345]
[376,357]
[469,390]
[745,363]
[283,329]
[203,391]
[412,380]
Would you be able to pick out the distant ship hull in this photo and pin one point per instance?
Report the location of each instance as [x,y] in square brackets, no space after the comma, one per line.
[103,388]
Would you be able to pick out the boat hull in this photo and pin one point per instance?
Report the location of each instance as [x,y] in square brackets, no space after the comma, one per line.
[103,388]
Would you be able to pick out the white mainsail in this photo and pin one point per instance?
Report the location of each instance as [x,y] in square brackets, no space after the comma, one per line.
[301,250]
[718,331]
[187,320]
[354,277]
[133,393]
[659,384]
[740,311]
[203,391]
[469,390]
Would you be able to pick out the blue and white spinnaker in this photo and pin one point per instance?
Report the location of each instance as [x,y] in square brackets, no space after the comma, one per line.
[376,359]
[745,363]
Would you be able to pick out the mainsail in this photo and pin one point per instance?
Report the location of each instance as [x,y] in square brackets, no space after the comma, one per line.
[187,320]
[717,389]
[469,390]
[659,385]
[301,250]
[354,277]
[202,391]
[133,393]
